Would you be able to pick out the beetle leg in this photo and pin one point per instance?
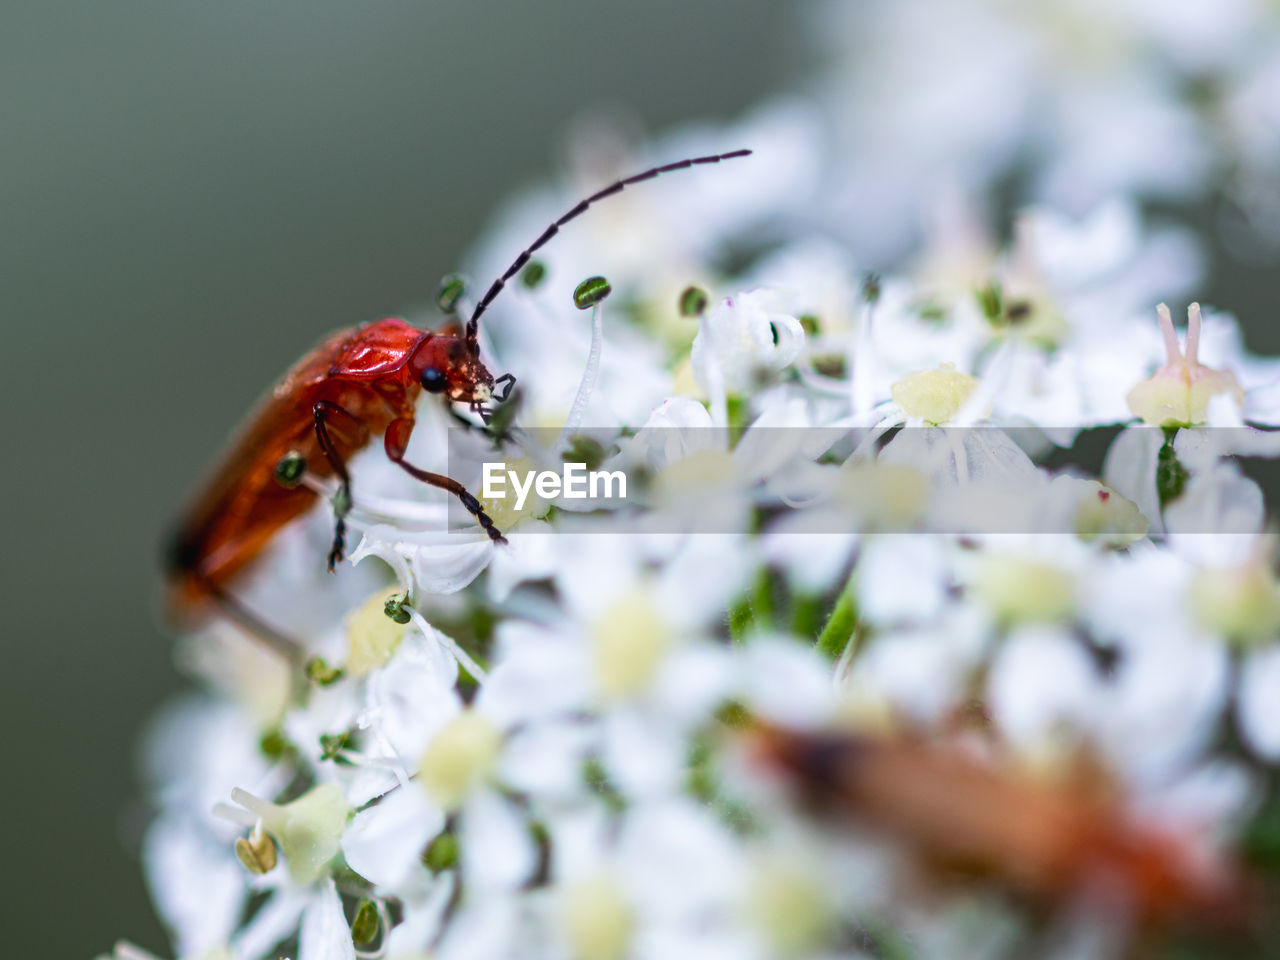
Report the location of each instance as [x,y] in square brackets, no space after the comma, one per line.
[248,621]
[463,422]
[396,442]
[323,411]
[507,381]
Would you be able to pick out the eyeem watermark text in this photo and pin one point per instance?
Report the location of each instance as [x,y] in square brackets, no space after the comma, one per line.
[573,482]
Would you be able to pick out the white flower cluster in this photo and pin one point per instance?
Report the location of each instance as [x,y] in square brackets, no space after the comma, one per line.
[879,664]
[1071,101]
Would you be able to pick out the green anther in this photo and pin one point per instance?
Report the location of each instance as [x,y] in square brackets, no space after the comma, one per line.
[700,779]
[332,744]
[933,312]
[991,301]
[693,301]
[441,853]
[273,744]
[395,608]
[540,835]
[364,928]
[597,780]
[808,323]
[342,500]
[319,672]
[830,365]
[590,292]
[1018,311]
[452,287]
[1171,475]
[290,469]
[541,839]
[871,288]
[734,714]
[583,449]
[533,274]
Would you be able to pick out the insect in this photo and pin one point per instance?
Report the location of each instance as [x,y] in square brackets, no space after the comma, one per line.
[356,384]
[1049,843]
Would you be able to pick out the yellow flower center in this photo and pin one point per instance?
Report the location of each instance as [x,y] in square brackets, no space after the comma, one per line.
[459,758]
[598,921]
[934,396]
[790,907]
[1022,590]
[629,641]
[372,636]
[1240,603]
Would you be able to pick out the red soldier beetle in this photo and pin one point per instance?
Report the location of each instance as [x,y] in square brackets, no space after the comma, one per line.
[356,384]
[1049,843]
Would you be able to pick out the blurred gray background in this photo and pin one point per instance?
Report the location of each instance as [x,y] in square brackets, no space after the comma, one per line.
[192,194]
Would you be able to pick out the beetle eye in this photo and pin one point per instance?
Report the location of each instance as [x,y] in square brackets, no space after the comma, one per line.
[434,380]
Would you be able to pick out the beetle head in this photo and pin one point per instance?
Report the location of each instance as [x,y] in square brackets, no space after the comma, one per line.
[450,367]
[444,365]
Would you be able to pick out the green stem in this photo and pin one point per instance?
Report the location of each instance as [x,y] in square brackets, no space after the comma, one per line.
[840,625]
[754,609]
[806,615]
[1171,475]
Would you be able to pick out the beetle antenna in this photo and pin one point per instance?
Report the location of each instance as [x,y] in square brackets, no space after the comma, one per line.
[473,324]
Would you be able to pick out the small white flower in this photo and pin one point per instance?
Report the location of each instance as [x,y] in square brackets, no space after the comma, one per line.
[1259,708]
[325,934]
[1178,394]
[197,884]
[740,337]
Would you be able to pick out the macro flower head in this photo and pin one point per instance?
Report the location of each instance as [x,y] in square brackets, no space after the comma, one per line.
[931,606]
